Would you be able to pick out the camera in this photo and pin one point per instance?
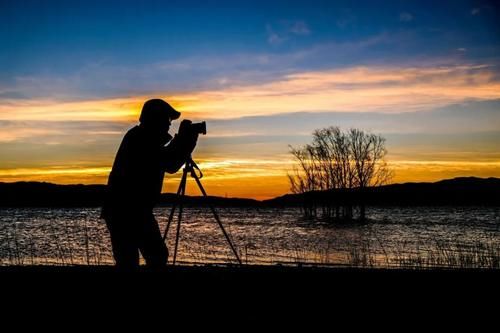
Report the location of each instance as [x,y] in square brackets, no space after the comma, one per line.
[187,127]
[200,128]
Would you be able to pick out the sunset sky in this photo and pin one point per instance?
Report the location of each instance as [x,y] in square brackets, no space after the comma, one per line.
[263,74]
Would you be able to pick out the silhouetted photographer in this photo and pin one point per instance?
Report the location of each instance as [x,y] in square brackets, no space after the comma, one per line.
[134,186]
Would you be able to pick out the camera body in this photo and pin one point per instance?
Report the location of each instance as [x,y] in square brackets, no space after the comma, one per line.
[189,128]
[200,128]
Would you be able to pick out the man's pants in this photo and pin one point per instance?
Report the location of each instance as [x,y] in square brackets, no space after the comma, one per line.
[131,234]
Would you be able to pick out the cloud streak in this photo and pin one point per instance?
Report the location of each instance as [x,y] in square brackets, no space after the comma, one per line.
[361,89]
[354,89]
[285,30]
[216,70]
[405,17]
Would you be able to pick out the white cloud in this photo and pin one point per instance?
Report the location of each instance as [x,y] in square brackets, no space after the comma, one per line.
[285,30]
[346,19]
[405,17]
[475,11]
[300,28]
[273,37]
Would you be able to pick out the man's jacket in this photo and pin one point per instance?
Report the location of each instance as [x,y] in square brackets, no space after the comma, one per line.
[135,181]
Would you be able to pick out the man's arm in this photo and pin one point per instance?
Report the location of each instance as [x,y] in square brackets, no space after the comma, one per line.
[175,154]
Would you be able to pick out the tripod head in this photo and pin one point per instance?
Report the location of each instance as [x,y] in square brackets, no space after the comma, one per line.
[191,166]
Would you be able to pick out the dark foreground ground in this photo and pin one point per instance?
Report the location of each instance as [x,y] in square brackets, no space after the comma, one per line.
[247,294]
[247,277]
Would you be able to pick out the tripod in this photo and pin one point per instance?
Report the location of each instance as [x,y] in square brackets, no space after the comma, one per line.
[189,167]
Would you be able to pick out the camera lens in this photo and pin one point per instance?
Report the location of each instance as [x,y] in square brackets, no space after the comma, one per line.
[200,128]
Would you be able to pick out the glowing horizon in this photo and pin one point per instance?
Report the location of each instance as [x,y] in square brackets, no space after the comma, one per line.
[247,179]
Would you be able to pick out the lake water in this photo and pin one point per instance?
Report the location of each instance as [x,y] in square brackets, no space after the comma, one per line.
[393,237]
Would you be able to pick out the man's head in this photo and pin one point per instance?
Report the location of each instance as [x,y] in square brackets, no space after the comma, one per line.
[158,114]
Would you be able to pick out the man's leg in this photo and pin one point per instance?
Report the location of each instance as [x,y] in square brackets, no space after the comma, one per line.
[151,243]
[124,243]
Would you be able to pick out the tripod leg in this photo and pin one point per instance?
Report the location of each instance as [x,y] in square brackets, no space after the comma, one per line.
[172,211]
[182,188]
[216,216]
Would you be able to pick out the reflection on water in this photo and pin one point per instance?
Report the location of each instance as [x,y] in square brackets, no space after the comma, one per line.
[394,237]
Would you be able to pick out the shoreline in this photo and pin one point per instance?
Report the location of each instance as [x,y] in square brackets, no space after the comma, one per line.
[234,269]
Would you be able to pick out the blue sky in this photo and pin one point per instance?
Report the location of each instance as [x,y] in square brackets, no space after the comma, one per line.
[131,39]
[264,74]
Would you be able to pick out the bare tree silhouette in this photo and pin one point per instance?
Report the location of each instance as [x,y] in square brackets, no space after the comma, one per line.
[335,169]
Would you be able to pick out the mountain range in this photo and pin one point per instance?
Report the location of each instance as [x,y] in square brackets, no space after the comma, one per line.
[456,191]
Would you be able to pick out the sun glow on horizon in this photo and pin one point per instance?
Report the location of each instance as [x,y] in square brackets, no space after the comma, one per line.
[257,179]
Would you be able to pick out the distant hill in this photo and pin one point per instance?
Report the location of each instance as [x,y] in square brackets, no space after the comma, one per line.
[457,191]
[40,194]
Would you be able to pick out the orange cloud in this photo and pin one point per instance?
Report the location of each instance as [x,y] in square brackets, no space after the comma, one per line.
[385,89]
[13,134]
[59,175]
[355,89]
[430,171]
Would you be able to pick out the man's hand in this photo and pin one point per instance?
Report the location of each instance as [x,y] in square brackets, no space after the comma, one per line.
[184,128]
[187,137]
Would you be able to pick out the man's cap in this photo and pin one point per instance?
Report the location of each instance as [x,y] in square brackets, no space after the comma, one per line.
[156,110]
